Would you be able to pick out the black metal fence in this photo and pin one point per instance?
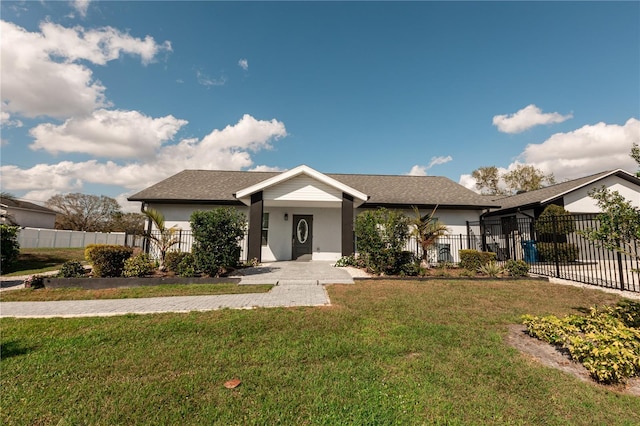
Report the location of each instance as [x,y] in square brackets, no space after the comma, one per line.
[184,240]
[557,247]
[553,247]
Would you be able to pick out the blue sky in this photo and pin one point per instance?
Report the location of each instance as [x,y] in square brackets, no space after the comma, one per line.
[110,97]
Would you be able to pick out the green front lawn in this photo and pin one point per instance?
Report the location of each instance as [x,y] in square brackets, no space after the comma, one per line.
[386,352]
[164,290]
[36,261]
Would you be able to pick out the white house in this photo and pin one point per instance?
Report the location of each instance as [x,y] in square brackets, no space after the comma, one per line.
[305,214]
[573,195]
[26,214]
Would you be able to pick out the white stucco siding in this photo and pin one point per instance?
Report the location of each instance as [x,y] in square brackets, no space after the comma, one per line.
[180,214]
[326,233]
[302,188]
[579,201]
[32,219]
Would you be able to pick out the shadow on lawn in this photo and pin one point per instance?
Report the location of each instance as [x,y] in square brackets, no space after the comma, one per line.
[13,348]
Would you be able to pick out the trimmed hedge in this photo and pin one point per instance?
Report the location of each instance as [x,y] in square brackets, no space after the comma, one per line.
[473,260]
[10,248]
[565,252]
[107,260]
[138,266]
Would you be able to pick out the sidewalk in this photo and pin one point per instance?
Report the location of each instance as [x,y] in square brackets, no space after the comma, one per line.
[296,284]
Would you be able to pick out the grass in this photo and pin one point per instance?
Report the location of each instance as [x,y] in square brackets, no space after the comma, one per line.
[386,352]
[165,290]
[38,260]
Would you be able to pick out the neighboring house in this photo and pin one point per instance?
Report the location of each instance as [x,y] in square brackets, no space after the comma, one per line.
[573,195]
[26,214]
[302,213]
[506,229]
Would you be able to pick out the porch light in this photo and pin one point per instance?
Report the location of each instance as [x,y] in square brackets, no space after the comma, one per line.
[286,216]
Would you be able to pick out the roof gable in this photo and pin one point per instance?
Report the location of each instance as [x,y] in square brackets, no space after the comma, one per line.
[329,186]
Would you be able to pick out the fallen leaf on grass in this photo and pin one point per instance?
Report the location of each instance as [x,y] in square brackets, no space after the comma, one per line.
[232,384]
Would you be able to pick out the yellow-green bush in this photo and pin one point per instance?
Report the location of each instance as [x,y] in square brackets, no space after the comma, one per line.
[473,260]
[606,342]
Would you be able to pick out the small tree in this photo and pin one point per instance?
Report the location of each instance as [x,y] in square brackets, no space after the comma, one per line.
[165,238]
[619,222]
[382,235]
[555,220]
[427,230]
[9,247]
[553,226]
[217,234]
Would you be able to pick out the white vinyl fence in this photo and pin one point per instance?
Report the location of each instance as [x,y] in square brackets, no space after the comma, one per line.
[49,238]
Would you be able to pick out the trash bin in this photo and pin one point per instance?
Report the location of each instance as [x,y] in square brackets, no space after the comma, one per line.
[530,251]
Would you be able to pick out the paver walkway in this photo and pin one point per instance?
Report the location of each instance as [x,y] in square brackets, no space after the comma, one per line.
[297,284]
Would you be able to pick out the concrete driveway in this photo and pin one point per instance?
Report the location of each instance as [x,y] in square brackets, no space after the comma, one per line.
[313,273]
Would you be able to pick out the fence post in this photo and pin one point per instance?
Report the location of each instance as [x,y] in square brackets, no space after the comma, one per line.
[619,256]
[554,221]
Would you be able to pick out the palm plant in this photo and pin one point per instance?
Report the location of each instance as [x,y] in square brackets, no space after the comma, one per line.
[427,230]
[165,238]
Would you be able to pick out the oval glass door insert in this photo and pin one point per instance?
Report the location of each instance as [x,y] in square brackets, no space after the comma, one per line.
[302,231]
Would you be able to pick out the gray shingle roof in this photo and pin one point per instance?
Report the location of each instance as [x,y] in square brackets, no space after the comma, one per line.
[549,193]
[214,186]
[20,204]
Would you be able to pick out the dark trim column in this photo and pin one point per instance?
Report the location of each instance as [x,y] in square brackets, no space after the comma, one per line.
[348,246]
[255,227]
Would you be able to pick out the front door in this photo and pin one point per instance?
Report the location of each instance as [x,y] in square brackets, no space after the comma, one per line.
[302,237]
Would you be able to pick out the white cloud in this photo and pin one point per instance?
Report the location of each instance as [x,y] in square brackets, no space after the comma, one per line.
[244,64]
[418,170]
[587,150]
[527,118]
[207,81]
[582,152]
[115,134]
[264,168]
[226,149]
[6,121]
[81,6]
[40,73]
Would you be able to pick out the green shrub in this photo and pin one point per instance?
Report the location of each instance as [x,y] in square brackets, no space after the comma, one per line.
[554,220]
[381,236]
[491,269]
[138,266]
[187,266]
[565,252]
[217,234]
[603,341]
[517,268]
[9,246]
[473,260]
[107,260]
[71,269]
[346,261]
[173,259]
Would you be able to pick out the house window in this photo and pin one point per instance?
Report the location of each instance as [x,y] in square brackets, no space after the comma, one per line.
[265,228]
